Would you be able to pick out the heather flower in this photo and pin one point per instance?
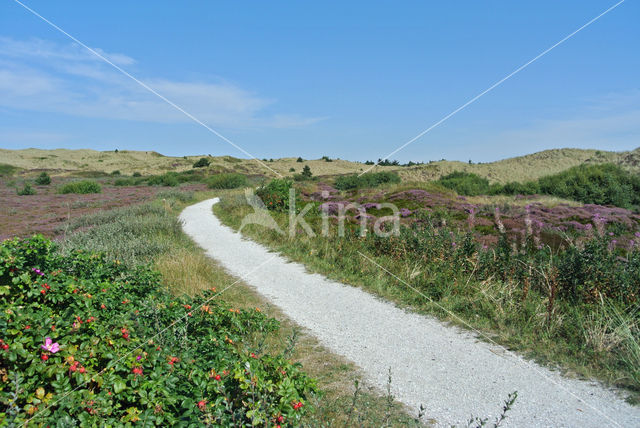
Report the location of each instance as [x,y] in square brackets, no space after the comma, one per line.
[50,346]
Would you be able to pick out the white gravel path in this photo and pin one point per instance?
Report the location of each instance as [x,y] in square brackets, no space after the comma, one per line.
[449,371]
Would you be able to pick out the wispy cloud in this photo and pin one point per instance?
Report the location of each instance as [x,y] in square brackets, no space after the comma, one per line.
[39,75]
[610,122]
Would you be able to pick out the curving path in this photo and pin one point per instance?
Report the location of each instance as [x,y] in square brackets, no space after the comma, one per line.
[449,371]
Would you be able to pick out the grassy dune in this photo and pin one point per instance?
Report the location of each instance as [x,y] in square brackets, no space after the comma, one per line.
[128,162]
[521,168]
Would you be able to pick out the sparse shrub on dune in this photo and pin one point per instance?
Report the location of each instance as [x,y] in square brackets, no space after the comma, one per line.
[26,190]
[202,163]
[43,179]
[81,187]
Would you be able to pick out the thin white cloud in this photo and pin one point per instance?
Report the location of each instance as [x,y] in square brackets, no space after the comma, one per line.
[611,122]
[38,75]
[44,49]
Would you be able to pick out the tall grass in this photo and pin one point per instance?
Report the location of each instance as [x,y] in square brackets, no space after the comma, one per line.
[519,299]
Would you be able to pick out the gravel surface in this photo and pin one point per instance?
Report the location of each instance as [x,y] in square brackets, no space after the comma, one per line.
[449,371]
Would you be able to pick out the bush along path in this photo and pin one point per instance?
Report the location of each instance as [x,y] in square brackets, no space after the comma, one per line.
[449,371]
[88,341]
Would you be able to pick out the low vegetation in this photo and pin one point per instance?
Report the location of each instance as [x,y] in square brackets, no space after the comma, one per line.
[372,179]
[7,170]
[81,187]
[603,184]
[227,181]
[572,303]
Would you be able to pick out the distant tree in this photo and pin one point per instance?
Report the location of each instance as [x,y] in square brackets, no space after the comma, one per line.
[115,151]
[306,172]
[369,162]
[43,179]
[326,159]
[292,170]
[470,162]
[299,159]
[201,163]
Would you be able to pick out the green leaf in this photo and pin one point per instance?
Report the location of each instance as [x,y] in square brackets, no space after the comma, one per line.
[119,386]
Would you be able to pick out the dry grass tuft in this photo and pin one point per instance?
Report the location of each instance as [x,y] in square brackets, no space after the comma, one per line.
[189,272]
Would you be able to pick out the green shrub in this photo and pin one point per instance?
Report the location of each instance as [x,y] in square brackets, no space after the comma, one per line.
[227,181]
[137,174]
[465,183]
[327,159]
[81,187]
[201,163]
[116,172]
[603,184]
[170,179]
[306,172]
[515,188]
[275,194]
[125,182]
[299,160]
[43,179]
[26,190]
[98,343]
[292,170]
[368,180]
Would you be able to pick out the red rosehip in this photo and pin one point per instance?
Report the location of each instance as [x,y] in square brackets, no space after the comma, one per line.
[44,357]
[217,377]
[5,346]
[82,370]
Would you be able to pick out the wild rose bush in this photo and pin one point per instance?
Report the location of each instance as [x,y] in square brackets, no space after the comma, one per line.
[88,341]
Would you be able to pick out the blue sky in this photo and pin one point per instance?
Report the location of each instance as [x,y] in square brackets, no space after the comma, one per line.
[353,80]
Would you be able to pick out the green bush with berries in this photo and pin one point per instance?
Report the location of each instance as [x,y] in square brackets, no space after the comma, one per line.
[90,341]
